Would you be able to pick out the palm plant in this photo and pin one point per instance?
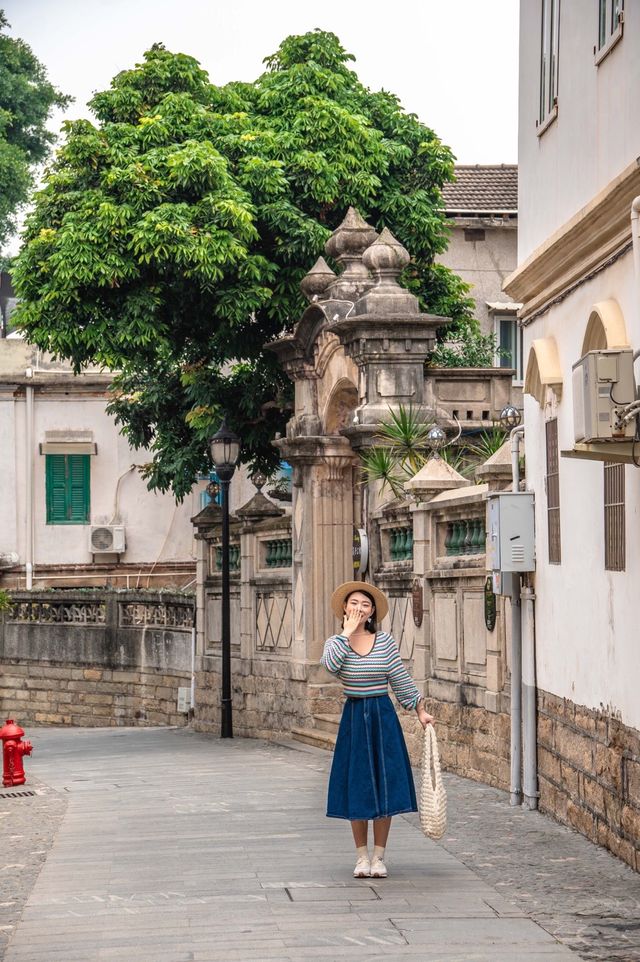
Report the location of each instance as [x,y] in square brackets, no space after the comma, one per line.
[402,450]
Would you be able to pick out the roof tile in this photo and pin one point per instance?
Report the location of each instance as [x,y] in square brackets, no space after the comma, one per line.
[485,189]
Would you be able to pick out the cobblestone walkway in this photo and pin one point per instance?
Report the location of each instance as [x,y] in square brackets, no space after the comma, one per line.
[196,850]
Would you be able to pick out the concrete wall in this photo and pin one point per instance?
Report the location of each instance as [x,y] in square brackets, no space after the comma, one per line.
[586,617]
[596,132]
[95,658]
[483,263]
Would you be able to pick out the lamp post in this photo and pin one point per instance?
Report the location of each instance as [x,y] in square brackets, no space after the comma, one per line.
[225,451]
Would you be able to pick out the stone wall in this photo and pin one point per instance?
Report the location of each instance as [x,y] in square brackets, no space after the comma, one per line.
[270,698]
[589,774]
[95,658]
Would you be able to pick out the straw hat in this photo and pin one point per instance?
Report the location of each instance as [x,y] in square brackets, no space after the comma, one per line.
[341,594]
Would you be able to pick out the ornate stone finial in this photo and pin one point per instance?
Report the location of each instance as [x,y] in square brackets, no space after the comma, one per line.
[346,245]
[317,280]
[386,258]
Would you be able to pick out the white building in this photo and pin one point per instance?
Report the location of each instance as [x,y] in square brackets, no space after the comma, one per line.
[579,143]
[68,475]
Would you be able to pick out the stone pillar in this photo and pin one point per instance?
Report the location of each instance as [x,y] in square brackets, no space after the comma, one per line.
[322,534]
[388,338]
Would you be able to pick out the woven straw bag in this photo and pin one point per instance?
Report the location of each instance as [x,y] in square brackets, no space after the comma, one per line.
[433,797]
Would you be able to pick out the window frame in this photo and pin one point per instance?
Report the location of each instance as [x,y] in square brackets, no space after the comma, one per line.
[549,57]
[614,503]
[83,482]
[612,35]
[518,378]
[552,491]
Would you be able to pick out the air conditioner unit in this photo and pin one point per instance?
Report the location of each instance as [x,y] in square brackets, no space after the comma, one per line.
[107,539]
[603,384]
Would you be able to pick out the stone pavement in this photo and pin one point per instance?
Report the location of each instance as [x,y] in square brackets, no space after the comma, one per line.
[166,846]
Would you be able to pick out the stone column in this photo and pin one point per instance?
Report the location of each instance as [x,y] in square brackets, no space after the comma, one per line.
[322,534]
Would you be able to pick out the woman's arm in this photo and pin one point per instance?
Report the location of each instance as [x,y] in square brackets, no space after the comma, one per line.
[335,651]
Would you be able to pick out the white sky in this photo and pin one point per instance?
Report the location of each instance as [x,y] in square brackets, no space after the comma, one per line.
[452,62]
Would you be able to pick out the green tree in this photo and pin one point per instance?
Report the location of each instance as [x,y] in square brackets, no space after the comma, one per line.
[26,101]
[171,236]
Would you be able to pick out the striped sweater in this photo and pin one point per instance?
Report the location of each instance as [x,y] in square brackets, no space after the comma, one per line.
[363,675]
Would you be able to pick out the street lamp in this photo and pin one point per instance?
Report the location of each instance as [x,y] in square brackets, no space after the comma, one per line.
[225,451]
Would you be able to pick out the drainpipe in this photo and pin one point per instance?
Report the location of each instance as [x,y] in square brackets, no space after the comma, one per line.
[529,728]
[635,237]
[29,481]
[516,647]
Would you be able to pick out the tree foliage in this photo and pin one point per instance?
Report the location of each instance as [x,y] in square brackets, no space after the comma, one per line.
[171,236]
[26,101]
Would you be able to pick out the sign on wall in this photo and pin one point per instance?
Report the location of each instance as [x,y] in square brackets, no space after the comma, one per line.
[360,551]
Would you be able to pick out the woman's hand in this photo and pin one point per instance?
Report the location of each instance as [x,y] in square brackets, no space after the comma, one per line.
[423,716]
[351,622]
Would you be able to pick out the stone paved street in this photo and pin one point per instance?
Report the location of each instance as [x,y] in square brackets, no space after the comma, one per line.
[167,846]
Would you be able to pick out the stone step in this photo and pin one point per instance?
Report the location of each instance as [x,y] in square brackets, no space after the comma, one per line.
[313,736]
[326,722]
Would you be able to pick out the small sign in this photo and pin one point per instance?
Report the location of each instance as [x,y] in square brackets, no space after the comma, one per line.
[184,700]
[417,602]
[360,551]
[489,604]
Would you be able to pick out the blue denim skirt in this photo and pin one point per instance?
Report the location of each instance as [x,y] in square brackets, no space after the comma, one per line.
[371,774]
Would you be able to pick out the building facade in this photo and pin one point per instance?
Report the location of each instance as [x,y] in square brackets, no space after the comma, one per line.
[75,509]
[482,216]
[579,182]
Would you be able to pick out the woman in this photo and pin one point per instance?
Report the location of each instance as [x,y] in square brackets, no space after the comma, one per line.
[371,775]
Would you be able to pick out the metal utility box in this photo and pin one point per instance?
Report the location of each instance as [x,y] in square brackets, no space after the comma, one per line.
[510,532]
[603,383]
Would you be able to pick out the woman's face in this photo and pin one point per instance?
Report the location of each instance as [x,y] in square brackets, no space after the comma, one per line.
[359,603]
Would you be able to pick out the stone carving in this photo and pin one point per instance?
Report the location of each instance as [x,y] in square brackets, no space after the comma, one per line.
[59,613]
[149,615]
[273,620]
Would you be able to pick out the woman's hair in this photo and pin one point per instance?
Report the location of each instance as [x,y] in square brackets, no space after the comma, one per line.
[370,623]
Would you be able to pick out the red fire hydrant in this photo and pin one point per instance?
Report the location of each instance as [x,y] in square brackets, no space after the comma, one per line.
[13,748]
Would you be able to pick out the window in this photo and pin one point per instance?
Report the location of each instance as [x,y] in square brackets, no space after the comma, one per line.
[614,527]
[552,486]
[549,64]
[509,340]
[610,26]
[67,488]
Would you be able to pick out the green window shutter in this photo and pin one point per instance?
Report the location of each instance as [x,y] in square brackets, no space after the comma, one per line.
[67,488]
[78,488]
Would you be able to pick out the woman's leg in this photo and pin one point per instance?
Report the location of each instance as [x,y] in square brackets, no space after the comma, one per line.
[381,828]
[360,832]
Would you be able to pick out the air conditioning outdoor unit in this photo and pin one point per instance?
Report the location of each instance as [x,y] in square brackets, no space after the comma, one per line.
[603,384]
[107,539]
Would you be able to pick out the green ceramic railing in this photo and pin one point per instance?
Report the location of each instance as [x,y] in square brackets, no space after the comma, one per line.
[465,536]
[401,543]
[279,553]
[234,557]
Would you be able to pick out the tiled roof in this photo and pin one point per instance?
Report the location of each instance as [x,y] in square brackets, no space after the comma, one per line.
[482,189]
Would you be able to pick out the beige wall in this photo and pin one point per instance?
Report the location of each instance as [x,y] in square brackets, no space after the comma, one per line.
[483,263]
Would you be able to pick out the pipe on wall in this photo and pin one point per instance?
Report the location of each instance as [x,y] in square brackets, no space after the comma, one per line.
[515,794]
[29,481]
[529,706]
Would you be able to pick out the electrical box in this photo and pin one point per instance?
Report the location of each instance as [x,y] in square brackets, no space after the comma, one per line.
[603,384]
[510,532]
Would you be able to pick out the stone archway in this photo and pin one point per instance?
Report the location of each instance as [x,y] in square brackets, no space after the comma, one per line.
[339,409]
